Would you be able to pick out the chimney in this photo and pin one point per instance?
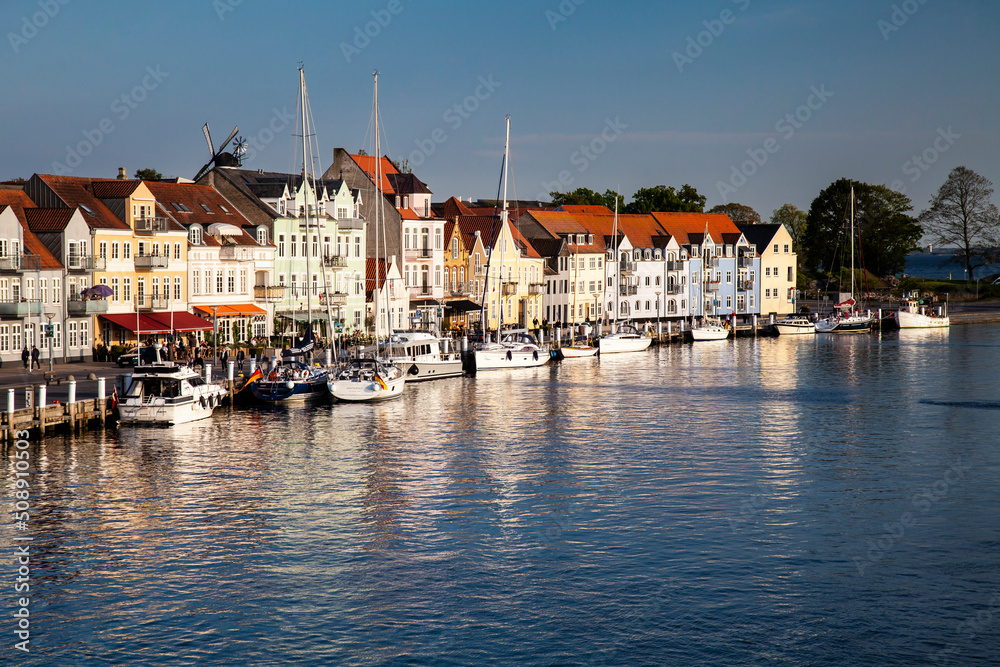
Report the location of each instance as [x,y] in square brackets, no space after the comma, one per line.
[121,174]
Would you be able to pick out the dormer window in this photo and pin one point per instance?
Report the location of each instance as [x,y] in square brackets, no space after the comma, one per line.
[195,235]
[261,235]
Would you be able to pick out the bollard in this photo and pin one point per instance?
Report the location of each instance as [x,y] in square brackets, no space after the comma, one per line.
[42,391]
[231,372]
[102,402]
[208,372]
[72,392]
[253,365]
[465,344]
[558,337]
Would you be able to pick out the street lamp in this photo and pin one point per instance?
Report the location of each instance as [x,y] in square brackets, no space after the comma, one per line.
[48,334]
[658,311]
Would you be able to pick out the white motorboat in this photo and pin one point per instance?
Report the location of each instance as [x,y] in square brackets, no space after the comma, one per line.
[517,349]
[166,393]
[912,315]
[625,339]
[795,325]
[422,356]
[368,380]
[711,329]
[578,350]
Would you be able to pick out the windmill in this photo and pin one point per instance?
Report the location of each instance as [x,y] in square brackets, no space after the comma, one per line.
[218,156]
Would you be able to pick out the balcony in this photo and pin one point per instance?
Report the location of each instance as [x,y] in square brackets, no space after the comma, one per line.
[150,225]
[628,290]
[422,290]
[22,308]
[627,267]
[350,223]
[269,292]
[508,289]
[20,263]
[149,262]
[534,289]
[424,253]
[673,265]
[236,253]
[77,263]
[714,286]
[460,289]
[334,261]
[333,299]
[78,306]
[745,262]
[745,285]
[151,302]
[673,290]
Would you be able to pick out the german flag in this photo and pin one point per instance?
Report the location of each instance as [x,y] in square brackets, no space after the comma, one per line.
[256,375]
[381,382]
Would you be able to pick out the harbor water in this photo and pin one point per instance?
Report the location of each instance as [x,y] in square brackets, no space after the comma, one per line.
[779,501]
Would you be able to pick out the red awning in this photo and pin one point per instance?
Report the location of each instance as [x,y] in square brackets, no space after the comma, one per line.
[137,323]
[181,321]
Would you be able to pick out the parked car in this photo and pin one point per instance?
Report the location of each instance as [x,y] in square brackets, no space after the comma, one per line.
[129,358]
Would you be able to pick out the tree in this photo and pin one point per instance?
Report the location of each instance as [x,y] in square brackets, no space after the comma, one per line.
[587,197]
[887,234]
[148,174]
[661,198]
[738,213]
[794,220]
[403,166]
[962,215]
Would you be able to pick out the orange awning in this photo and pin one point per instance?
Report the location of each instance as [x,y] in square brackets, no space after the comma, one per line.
[233,310]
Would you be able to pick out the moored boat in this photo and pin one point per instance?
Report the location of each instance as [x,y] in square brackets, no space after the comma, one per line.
[626,338]
[710,329]
[367,380]
[795,325]
[578,350]
[517,349]
[290,380]
[167,393]
[421,356]
[911,315]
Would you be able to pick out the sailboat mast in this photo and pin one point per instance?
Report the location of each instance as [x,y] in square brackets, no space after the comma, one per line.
[852,240]
[305,194]
[618,266]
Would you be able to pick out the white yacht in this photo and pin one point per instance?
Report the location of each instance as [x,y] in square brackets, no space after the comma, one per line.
[367,380]
[423,356]
[794,325]
[710,329]
[166,393]
[626,338]
[517,349]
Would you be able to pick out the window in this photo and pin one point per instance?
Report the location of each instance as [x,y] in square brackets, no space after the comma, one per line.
[294,245]
[243,280]
[454,248]
[127,288]
[116,296]
[71,332]
[729,277]
[115,250]
[231,281]
[729,301]
[305,245]
[196,282]
[194,235]
[218,282]
[177,288]
[315,246]
[177,251]
[775,247]
[437,239]
[127,250]
[791,276]
[262,235]
[786,247]
[357,246]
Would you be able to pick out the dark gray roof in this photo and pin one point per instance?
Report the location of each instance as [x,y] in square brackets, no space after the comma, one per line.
[759,235]
[407,184]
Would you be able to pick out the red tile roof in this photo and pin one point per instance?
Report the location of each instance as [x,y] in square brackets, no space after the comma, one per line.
[586,209]
[195,197]
[17,200]
[368,165]
[48,219]
[78,192]
[114,189]
[453,208]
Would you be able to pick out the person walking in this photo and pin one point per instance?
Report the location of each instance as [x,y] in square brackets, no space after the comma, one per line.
[240,357]
[35,355]
[25,357]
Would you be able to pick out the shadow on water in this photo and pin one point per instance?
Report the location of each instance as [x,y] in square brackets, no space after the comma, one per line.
[975,405]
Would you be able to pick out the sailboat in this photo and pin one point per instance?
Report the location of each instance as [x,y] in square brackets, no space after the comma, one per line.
[517,348]
[292,379]
[850,319]
[372,379]
[579,347]
[624,337]
[711,328]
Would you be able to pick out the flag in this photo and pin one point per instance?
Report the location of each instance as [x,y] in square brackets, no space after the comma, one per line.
[114,398]
[378,378]
[256,375]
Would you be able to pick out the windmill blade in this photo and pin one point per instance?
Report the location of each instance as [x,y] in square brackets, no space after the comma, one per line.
[225,143]
[208,138]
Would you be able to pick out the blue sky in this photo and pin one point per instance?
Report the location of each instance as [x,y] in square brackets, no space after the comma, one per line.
[751,101]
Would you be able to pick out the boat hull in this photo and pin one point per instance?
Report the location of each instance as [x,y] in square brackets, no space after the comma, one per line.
[616,345]
[908,320]
[574,352]
[366,391]
[847,325]
[489,360]
[159,411]
[279,391]
[709,333]
[795,328]
[418,371]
